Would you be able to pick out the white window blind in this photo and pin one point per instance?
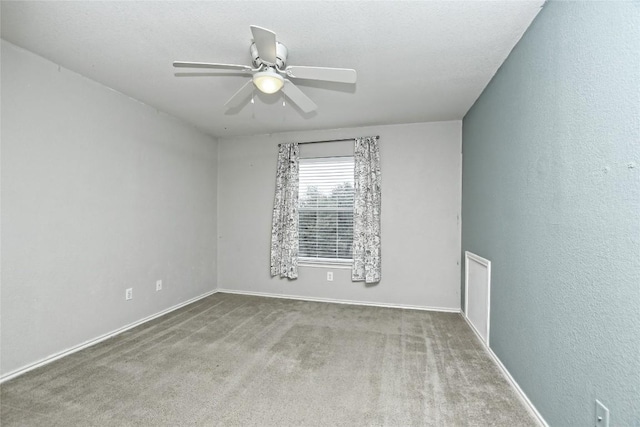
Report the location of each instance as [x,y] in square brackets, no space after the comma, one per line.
[326,209]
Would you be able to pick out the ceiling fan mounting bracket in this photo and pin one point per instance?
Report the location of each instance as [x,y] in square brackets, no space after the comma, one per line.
[281,56]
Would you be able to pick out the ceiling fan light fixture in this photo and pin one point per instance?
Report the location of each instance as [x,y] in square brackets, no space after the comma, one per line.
[268,81]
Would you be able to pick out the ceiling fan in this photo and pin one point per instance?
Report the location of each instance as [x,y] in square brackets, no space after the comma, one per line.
[271,74]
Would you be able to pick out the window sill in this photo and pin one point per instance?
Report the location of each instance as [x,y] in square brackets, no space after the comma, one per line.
[346,265]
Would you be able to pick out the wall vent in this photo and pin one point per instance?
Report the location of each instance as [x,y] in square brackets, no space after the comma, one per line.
[477,291]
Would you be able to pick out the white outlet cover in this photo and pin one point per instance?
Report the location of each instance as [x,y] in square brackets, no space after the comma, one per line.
[128,294]
[330,276]
[602,415]
[158,285]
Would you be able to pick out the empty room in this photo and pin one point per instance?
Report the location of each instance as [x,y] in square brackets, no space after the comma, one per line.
[320,213]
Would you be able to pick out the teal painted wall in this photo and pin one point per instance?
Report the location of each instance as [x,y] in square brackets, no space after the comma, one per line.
[551,195]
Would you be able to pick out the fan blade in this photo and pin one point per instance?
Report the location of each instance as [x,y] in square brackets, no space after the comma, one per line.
[240,96]
[265,41]
[181,64]
[296,96]
[340,75]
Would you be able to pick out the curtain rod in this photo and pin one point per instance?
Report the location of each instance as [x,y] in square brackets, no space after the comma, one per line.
[330,140]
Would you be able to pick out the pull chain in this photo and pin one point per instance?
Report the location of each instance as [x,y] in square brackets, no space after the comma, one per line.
[284,111]
[253,104]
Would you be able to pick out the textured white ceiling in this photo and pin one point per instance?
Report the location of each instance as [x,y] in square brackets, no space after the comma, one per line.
[416,61]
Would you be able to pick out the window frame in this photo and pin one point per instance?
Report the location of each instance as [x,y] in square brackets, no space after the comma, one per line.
[337,263]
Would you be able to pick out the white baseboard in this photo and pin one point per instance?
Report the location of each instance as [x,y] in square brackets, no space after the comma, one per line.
[340,301]
[101,338]
[521,394]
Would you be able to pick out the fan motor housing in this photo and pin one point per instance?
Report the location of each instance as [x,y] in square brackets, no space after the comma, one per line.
[281,56]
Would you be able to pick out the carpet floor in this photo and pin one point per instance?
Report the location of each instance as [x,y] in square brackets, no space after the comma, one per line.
[233,360]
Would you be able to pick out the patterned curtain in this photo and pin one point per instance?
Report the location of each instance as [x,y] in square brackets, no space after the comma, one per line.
[284,230]
[366,211]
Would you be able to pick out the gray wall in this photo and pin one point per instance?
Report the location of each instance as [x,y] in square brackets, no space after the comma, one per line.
[99,193]
[551,195]
[420,234]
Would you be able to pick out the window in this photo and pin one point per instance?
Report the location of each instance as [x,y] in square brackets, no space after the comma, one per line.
[326,209]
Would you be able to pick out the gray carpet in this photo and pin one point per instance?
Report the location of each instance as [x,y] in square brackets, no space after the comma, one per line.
[231,360]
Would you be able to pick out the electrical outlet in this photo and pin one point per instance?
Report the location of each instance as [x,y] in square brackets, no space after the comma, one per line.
[128,294]
[330,276]
[158,285]
[602,415]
